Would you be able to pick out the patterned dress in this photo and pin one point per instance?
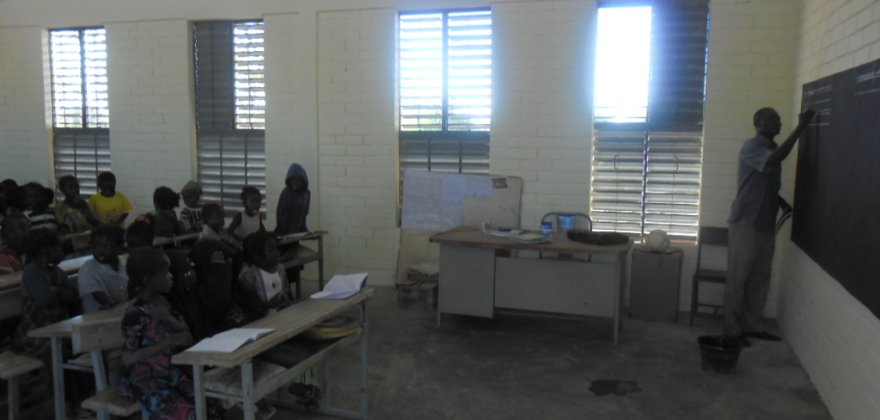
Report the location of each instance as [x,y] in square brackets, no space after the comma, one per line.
[164,391]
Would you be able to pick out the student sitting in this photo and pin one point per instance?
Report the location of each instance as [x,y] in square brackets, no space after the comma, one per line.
[214,263]
[165,200]
[213,229]
[153,332]
[103,283]
[191,214]
[39,200]
[249,220]
[13,231]
[184,292]
[16,198]
[47,295]
[140,233]
[262,282]
[110,207]
[72,213]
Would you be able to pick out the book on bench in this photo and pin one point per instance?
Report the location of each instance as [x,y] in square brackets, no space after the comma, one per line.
[342,286]
[230,340]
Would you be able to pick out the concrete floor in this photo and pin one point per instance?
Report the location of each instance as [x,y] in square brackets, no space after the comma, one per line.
[516,367]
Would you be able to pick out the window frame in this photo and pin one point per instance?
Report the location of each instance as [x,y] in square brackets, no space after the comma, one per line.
[217,134]
[96,154]
[670,136]
[433,139]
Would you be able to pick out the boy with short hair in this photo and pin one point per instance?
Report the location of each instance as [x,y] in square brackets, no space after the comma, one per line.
[103,282]
[109,206]
[191,214]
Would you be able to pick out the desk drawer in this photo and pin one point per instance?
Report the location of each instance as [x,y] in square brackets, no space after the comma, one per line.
[568,287]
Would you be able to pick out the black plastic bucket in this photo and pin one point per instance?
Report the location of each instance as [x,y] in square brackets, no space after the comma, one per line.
[719,353]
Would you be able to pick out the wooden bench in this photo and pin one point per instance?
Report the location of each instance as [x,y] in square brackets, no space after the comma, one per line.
[12,366]
[109,402]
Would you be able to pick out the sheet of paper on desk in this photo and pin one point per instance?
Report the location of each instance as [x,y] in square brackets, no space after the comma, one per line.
[342,286]
[230,340]
[295,235]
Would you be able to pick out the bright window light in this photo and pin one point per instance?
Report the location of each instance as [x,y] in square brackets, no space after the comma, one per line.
[623,53]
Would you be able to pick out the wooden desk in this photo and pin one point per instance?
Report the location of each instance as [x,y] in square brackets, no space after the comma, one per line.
[176,240]
[80,329]
[480,273]
[10,286]
[305,255]
[287,323]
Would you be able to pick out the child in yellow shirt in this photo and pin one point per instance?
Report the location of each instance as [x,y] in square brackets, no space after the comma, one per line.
[109,206]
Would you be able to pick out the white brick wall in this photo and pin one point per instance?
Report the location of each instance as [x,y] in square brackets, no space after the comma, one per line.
[752,55]
[835,337]
[25,142]
[357,141]
[541,103]
[151,112]
[290,124]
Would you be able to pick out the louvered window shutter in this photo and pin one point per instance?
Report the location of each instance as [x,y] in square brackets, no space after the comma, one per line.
[80,108]
[445,90]
[230,109]
[675,117]
[658,187]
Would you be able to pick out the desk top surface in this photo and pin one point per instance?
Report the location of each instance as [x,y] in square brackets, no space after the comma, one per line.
[66,328]
[69,266]
[174,239]
[302,236]
[287,323]
[474,237]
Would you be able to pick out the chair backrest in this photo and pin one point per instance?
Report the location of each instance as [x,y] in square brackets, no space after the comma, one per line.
[99,331]
[97,337]
[711,236]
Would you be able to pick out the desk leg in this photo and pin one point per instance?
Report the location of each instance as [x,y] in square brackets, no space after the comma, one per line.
[199,388]
[58,378]
[320,263]
[99,369]
[619,281]
[247,390]
[364,361]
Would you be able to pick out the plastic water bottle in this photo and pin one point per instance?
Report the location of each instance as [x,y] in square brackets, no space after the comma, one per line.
[547,229]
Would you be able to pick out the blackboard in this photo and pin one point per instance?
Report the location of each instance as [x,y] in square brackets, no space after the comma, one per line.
[836,217]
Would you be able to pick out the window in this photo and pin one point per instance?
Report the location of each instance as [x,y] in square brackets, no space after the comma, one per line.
[648,116]
[80,111]
[230,109]
[445,90]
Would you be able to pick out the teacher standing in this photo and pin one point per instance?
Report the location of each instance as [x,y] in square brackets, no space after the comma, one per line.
[752,221]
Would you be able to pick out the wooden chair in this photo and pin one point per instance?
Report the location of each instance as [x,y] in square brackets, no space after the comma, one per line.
[713,237]
[12,366]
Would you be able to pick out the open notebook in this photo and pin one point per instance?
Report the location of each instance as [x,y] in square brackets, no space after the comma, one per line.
[229,340]
[342,286]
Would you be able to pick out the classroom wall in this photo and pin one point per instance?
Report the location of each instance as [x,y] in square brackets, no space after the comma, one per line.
[836,338]
[24,105]
[332,102]
[151,107]
[541,125]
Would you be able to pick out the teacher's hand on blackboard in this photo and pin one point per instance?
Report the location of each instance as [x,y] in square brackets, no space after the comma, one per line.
[806,116]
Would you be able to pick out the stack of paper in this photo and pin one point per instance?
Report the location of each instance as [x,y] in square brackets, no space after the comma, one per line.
[342,286]
[228,341]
